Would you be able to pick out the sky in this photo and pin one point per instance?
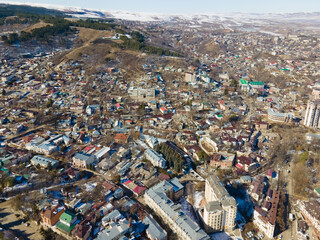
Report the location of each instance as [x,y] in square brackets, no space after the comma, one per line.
[188,6]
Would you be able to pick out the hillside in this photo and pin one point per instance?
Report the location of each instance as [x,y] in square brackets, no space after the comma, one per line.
[40,24]
[98,43]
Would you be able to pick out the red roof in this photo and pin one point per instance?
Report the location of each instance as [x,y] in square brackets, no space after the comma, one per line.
[139,189]
[109,186]
[239,166]
[88,148]
[163,176]
[270,172]
[121,136]
[127,182]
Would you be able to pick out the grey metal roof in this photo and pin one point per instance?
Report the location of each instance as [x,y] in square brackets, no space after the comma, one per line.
[115,214]
[154,155]
[213,206]
[115,231]
[82,156]
[176,184]
[154,229]
[44,161]
[221,191]
[190,228]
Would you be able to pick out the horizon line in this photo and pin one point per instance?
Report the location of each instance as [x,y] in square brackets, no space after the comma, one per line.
[64,8]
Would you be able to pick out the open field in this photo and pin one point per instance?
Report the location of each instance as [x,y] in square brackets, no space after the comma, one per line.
[37,25]
[11,219]
[91,44]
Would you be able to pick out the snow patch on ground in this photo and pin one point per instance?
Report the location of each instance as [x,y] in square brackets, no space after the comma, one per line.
[245,205]
[223,236]
[90,186]
[187,208]
[197,196]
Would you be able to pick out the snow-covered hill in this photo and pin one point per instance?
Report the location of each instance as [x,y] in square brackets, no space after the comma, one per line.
[236,18]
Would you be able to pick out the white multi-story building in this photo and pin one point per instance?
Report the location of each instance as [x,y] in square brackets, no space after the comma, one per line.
[221,209]
[154,230]
[190,77]
[155,158]
[312,115]
[43,161]
[158,198]
[142,93]
[276,116]
[39,145]
[83,160]
[250,86]
[208,145]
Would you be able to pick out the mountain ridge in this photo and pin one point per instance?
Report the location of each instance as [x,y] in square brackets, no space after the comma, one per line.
[162,17]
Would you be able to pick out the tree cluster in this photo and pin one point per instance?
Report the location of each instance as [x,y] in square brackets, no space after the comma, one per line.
[43,33]
[137,44]
[59,25]
[18,20]
[7,181]
[174,160]
[93,24]
[203,157]
[282,213]
[24,11]
[300,178]
[47,234]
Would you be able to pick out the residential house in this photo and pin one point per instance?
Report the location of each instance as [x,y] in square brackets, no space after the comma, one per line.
[67,222]
[83,230]
[50,215]
[311,212]
[121,138]
[266,220]
[258,187]
[113,216]
[114,231]
[71,173]
[222,160]
[82,160]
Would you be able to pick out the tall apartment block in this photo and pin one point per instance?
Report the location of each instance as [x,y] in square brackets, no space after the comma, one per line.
[221,209]
[312,116]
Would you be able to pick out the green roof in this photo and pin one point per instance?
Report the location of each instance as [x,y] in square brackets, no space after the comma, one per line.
[64,227]
[5,170]
[256,83]
[242,81]
[219,116]
[67,217]
[26,176]
[317,190]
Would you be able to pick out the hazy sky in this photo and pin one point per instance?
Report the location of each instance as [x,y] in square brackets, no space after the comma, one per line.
[189,6]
